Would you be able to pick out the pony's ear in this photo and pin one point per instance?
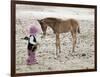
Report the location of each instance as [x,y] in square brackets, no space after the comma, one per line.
[41,21]
[38,20]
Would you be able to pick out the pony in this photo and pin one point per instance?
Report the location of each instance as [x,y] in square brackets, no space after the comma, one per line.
[60,26]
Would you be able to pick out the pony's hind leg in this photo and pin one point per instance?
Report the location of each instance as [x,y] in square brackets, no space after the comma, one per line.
[58,49]
[74,41]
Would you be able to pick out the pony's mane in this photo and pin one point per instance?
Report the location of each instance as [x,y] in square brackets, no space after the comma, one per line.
[52,19]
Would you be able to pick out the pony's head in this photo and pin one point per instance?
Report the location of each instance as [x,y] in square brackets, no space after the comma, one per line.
[43,25]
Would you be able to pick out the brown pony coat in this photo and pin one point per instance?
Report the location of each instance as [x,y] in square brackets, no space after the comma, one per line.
[60,26]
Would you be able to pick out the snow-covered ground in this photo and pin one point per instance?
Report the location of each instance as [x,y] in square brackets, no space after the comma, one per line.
[82,58]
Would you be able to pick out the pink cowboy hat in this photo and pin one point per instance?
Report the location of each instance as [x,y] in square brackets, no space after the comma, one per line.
[33,30]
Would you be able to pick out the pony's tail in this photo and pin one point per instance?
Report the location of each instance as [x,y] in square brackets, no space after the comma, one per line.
[76,27]
[78,30]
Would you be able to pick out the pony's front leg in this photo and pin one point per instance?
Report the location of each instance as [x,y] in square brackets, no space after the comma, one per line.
[43,36]
[57,44]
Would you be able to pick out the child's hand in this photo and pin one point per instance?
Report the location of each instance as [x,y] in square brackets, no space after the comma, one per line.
[38,44]
[25,38]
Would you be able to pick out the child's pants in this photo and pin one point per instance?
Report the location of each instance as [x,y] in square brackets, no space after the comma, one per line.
[31,58]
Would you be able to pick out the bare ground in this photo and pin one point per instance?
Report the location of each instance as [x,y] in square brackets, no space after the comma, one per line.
[82,58]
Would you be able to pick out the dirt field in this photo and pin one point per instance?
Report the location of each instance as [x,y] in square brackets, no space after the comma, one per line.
[82,58]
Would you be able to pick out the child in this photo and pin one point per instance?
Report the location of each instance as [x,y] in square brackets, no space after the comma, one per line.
[32,46]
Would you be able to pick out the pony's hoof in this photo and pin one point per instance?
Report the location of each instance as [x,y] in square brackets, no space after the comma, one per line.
[59,51]
[73,51]
[43,36]
[58,56]
[55,57]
